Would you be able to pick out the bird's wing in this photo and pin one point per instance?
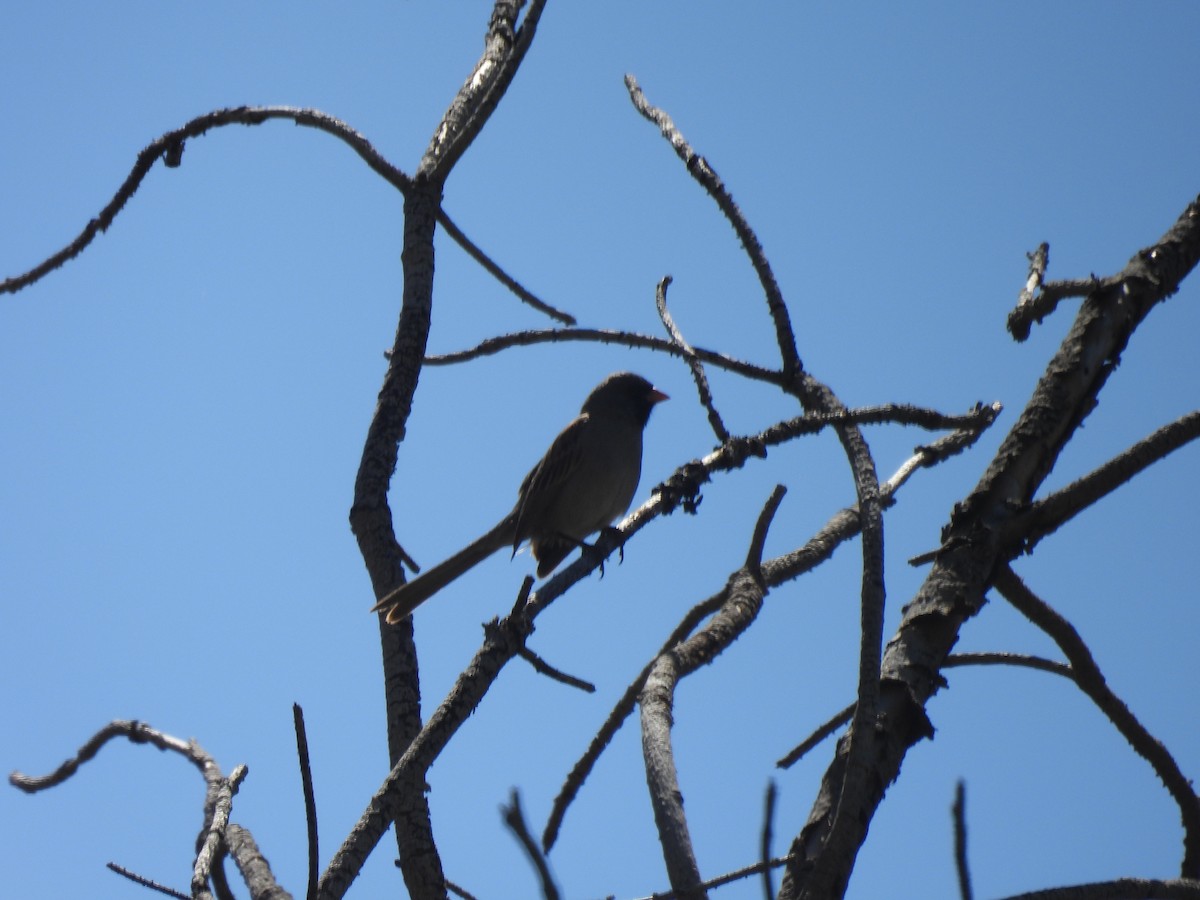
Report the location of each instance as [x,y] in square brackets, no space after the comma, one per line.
[542,483]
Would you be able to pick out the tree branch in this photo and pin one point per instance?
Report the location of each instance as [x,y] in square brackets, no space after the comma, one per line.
[1091,681]
[976,541]
[310,800]
[689,355]
[515,820]
[699,169]
[959,813]
[1048,515]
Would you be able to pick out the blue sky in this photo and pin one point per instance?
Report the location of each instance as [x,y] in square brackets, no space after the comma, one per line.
[184,405]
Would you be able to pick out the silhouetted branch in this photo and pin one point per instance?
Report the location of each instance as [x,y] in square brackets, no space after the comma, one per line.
[1020,660]
[958,659]
[822,731]
[147,882]
[765,840]
[840,528]
[1046,516]
[515,820]
[699,169]
[975,542]
[689,355]
[310,800]
[959,813]
[743,599]
[1092,682]
[494,345]
[544,668]
[1120,889]
[721,880]
[169,147]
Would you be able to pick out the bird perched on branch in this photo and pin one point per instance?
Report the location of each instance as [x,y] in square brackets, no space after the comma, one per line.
[584,483]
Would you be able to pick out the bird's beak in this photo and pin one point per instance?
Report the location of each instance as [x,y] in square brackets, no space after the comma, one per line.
[657,396]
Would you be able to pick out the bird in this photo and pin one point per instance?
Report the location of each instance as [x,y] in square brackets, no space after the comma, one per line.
[583,484]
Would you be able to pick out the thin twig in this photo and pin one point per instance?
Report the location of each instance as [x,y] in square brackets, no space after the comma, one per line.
[689,355]
[147,882]
[1046,516]
[515,820]
[1020,660]
[959,813]
[310,800]
[699,169]
[494,345]
[1019,319]
[768,828]
[169,147]
[460,891]
[544,668]
[722,880]
[958,659]
[819,734]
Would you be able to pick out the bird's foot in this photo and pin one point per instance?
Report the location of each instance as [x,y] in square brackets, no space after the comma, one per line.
[606,532]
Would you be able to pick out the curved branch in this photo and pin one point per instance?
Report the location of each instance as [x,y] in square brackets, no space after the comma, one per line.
[169,147]
[689,355]
[1091,681]
[743,599]
[602,336]
[699,169]
[514,818]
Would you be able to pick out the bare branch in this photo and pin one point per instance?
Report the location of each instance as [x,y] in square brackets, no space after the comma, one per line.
[1048,515]
[1039,298]
[544,668]
[504,48]
[492,268]
[765,841]
[217,808]
[1092,682]
[1121,889]
[822,731]
[495,345]
[841,717]
[1019,318]
[169,147]
[959,813]
[677,338]
[743,599]
[310,800]
[722,880]
[460,891]
[252,865]
[501,640]
[974,542]
[147,882]
[1019,660]
[134,731]
[699,169]
[620,712]
[515,820]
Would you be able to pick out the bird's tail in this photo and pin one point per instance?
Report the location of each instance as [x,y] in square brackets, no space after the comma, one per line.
[404,599]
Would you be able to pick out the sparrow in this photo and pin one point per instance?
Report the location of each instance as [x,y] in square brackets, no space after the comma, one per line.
[583,484]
